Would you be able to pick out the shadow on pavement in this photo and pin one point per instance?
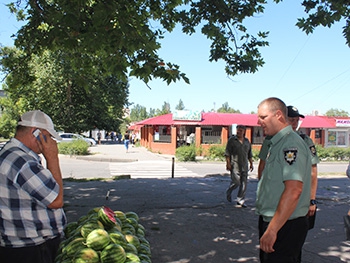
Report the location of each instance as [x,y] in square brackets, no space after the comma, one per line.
[189,219]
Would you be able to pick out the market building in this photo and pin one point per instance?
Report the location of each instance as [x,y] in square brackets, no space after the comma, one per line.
[163,134]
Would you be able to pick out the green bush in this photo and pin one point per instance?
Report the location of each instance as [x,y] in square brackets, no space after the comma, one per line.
[216,153]
[186,153]
[77,147]
[333,153]
[255,153]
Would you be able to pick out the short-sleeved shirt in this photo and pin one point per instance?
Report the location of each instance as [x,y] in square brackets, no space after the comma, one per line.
[267,142]
[265,148]
[288,159]
[26,189]
[312,148]
[239,153]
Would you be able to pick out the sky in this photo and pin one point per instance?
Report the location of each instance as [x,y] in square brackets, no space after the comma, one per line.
[311,72]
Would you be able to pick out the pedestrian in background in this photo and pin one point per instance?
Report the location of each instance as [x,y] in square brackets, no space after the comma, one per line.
[31,196]
[238,152]
[283,194]
[126,141]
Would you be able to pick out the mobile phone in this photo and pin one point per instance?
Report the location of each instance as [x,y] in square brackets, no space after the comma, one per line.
[36,134]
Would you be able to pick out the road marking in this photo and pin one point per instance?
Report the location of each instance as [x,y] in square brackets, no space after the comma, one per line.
[149,169]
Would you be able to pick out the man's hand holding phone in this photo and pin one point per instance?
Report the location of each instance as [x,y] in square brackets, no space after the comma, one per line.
[37,133]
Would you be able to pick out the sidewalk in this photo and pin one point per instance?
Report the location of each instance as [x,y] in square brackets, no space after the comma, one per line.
[115,152]
[189,220]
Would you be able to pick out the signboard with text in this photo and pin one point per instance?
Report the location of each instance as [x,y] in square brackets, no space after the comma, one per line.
[187,115]
[342,123]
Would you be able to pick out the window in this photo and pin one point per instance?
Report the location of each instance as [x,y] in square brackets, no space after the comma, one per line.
[337,138]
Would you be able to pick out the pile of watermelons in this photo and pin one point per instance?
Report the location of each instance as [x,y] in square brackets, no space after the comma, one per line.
[104,235]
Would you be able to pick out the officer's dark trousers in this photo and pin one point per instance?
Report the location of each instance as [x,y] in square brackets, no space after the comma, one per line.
[290,240]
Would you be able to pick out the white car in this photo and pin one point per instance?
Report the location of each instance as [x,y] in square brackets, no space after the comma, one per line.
[68,137]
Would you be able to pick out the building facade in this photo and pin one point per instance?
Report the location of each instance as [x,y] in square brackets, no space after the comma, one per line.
[163,134]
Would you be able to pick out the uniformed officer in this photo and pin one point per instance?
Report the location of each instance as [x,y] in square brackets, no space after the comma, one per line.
[283,194]
[293,118]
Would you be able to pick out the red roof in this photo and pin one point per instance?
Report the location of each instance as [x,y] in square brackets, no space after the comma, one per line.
[227,119]
[208,118]
[317,122]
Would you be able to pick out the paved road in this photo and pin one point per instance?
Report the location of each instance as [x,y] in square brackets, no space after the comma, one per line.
[111,160]
[211,229]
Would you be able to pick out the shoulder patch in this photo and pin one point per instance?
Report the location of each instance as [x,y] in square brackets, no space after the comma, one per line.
[290,155]
[313,150]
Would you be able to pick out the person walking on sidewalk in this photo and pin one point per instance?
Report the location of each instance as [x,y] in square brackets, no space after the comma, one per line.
[238,152]
[31,196]
[126,141]
[283,194]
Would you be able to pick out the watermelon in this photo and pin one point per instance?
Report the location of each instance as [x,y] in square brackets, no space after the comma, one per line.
[143,249]
[107,217]
[132,258]
[132,239]
[71,248]
[132,215]
[144,258]
[98,239]
[87,255]
[113,253]
[120,215]
[86,229]
[132,221]
[130,248]
[128,229]
[118,238]
[70,228]
[140,232]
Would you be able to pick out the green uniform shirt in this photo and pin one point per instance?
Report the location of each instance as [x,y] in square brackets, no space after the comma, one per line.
[312,148]
[239,153]
[265,148]
[267,142]
[288,159]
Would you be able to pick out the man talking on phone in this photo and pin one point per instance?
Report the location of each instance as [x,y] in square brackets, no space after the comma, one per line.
[31,195]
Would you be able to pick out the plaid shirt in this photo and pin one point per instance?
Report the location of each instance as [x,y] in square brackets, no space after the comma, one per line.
[26,189]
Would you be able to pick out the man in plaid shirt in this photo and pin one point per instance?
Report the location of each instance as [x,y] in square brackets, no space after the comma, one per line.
[31,196]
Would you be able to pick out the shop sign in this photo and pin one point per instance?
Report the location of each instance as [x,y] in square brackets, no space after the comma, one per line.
[342,122]
[187,115]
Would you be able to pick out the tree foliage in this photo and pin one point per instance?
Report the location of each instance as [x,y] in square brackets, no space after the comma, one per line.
[10,113]
[164,110]
[180,105]
[76,101]
[336,113]
[225,108]
[326,13]
[126,34]
[138,113]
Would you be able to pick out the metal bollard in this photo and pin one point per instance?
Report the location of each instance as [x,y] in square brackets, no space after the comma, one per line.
[172,167]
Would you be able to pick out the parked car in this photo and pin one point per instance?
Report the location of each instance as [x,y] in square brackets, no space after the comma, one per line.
[68,137]
[348,170]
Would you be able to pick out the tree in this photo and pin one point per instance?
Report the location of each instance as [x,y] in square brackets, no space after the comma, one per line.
[165,109]
[180,106]
[225,108]
[10,113]
[138,113]
[152,112]
[337,113]
[125,34]
[75,101]
[325,13]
